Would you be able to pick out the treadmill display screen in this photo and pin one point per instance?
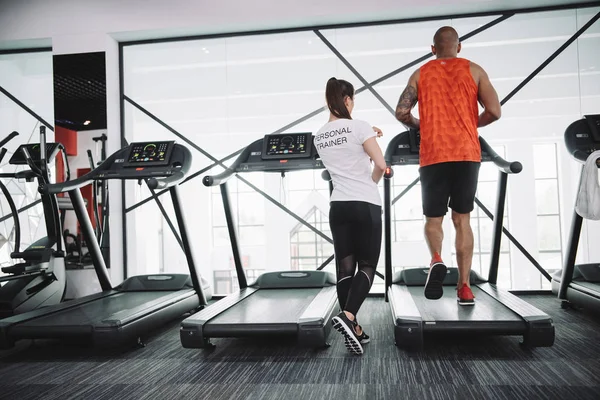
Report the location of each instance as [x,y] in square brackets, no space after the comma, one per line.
[287,145]
[150,153]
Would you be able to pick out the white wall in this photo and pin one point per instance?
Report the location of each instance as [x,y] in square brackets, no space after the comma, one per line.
[127,19]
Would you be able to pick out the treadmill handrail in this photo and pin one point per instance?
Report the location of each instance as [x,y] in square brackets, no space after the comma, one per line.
[503,165]
[219,179]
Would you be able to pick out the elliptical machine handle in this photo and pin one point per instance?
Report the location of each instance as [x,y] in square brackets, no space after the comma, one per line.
[10,137]
[2,154]
[30,161]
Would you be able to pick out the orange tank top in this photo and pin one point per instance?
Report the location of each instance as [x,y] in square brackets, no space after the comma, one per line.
[448,112]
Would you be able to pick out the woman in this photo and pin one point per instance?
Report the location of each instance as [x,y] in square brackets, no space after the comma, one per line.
[348,148]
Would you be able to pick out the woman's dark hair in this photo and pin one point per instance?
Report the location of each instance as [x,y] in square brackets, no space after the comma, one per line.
[335,93]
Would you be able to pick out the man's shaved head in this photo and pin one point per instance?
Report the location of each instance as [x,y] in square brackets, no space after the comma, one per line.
[446,42]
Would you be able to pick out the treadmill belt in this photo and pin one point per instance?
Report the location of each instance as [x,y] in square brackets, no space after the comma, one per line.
[268,306]
[94,312]
[486,308]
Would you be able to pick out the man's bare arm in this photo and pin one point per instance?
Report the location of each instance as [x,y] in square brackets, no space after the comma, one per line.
[407,101]
[488,98]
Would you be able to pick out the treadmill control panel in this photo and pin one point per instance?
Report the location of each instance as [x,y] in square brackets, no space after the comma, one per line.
[594,124]
[403,149]
[34,151]
[582,137]
[287,145]
[143,154]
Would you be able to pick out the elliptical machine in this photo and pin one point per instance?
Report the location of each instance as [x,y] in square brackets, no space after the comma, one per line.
[39,280]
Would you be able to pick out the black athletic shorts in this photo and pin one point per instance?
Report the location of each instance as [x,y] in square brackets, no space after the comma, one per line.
[449,184]
[356,228]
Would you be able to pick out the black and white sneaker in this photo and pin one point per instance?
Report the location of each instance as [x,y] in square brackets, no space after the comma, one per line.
[363,338]
[434,288]
[343,325]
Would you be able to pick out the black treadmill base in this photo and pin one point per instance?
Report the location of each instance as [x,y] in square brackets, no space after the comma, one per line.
[119,335]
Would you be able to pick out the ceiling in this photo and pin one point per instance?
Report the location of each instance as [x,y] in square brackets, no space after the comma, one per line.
[80,91]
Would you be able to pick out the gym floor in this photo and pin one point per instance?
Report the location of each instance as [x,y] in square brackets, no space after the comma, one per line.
[481,368]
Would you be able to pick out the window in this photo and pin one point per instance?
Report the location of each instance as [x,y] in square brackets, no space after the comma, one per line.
[248,211]
[308,250]
[29,78]
[223,93]
[549,230]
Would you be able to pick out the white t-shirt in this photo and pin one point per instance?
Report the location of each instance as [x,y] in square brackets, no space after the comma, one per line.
[340,146]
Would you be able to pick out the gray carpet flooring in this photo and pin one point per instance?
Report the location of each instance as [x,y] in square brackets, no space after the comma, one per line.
[467,368]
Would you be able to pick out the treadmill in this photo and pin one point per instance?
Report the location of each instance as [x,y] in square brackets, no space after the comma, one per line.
[122,314]
[496,311]
[579,284]
[298,304]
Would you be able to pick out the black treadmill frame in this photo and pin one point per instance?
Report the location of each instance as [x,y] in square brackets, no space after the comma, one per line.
[312,327]
[569,290]
[536,327]
[137,322]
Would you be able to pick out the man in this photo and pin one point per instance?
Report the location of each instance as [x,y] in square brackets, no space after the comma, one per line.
[448,90]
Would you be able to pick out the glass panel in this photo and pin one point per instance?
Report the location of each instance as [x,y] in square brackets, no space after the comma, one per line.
[307,250]
[409,231]
[504,271]
[218,213]
[200,86]
[551,262]
[544,160]
[409,206]
[29,78]
[252,209]
[301,180]
[252,235]
[403,176]
[486,232]
[546,196]
[221,237]
[548,233]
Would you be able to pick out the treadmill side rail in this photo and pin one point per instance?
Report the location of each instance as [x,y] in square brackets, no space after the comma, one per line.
[540,327]
[191,332]
[408,323]
[314,325]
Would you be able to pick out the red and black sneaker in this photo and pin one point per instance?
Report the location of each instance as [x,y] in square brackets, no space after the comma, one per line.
[465,296]
[434,288]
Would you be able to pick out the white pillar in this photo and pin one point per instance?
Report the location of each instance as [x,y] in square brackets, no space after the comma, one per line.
[96,42]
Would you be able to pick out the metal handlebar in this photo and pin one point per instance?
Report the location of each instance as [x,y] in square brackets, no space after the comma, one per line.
[505,166]
[7,139]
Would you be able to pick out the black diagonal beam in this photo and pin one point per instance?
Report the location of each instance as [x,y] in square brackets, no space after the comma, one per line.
[304,118]
[429,55]
[179,135]
[189,178]
[24,107]
[166,216]
[355,72]
[551,58]
[397,71]
[173,131]
[406,190]
[287,210]
[20,210]
[516,242]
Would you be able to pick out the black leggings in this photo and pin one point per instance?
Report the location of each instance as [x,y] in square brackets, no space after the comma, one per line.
[356,230]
